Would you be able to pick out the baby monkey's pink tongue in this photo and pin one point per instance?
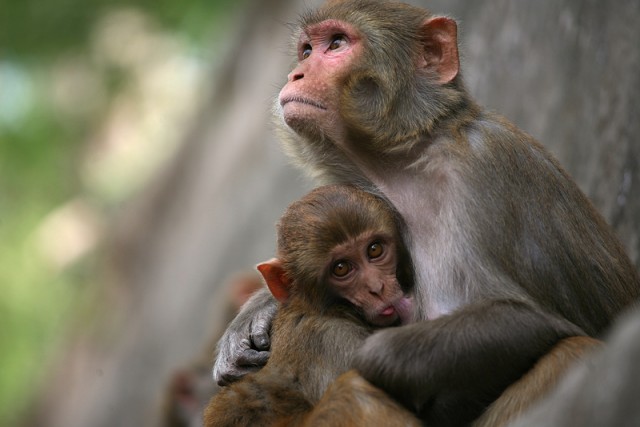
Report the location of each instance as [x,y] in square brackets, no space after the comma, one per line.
[388,311]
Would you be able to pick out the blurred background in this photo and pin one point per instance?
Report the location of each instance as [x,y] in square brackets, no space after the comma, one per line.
[140,174]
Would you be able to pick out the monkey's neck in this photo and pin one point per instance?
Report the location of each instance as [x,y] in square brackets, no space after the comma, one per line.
[390,172]
[375,155]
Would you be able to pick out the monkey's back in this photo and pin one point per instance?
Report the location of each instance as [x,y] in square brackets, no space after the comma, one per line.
[266,397]
[309,350]
[314,347]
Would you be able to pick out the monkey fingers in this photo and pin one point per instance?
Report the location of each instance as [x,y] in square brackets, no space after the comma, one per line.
[241,349]
[261,328]
[245,361]
[252,360]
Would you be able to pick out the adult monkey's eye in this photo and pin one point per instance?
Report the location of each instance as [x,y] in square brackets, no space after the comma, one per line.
[375,250]
[341,268]
[306,51]
[337,41]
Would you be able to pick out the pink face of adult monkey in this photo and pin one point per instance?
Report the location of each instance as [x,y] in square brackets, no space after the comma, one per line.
[510,257]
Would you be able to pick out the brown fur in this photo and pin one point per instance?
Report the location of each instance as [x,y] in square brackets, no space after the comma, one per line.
[351,401]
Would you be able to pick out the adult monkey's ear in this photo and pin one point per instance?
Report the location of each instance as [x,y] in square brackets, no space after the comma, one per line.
[440,48]
[276,278]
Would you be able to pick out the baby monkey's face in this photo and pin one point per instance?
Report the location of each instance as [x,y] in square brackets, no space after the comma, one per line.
[362,270]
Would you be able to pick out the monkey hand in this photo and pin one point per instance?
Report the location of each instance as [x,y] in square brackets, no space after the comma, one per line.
[244,347]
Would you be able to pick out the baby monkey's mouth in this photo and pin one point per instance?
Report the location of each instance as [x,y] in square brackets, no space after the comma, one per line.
[386,316]
[388,311]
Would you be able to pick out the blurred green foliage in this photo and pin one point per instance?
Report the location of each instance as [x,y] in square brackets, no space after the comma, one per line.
[40,149]
[39,29]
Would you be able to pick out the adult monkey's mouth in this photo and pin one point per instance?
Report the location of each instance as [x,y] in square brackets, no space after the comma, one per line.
[286,100]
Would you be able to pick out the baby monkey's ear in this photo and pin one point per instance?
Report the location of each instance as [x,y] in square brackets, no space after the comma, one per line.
[276,278]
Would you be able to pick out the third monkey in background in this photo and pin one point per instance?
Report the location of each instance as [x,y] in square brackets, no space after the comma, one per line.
[510,256]
[341,271]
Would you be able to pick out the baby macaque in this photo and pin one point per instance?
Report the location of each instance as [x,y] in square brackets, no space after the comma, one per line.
[341,271]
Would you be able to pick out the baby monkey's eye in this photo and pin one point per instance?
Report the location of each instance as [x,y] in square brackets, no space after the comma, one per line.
[375,250]
[341,268]
[337,41]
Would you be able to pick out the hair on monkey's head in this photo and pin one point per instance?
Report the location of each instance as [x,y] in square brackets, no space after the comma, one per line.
[326,217]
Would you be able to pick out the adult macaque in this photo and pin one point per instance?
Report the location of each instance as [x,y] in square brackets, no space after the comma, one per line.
[510,256]
[338,275]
